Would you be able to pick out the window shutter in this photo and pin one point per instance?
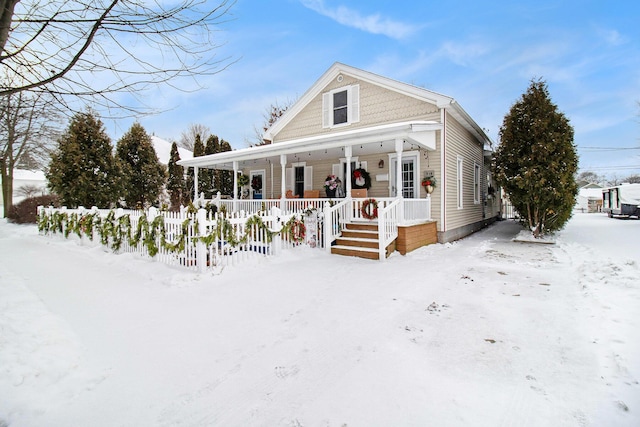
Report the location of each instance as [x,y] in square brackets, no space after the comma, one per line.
[289,179]
[354,104]
[327,107]
[308,178]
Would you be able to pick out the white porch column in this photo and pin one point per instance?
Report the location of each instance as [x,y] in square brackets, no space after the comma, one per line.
[235,184]
[399,144]
[195,183]
[283,183]
[348,152]
[399,193]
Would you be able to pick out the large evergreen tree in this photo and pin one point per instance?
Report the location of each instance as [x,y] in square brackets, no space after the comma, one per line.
[198,150]
[224,178]
[83,170]
[144,175]
[175,183]
[536,160]
[209,181]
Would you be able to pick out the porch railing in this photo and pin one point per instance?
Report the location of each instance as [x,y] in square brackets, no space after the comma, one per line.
[334,218]
[388,219]
[414,210]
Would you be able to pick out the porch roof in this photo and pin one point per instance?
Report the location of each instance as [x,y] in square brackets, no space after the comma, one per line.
[370,140]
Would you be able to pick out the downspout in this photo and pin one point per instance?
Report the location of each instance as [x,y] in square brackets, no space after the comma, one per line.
[443,165]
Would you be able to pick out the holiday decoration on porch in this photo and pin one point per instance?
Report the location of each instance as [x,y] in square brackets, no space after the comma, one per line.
[369,209]
[429,183]
[360,179]
[330,185]
[256,183]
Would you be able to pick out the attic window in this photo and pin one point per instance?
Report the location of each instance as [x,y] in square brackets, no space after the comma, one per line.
[341,107]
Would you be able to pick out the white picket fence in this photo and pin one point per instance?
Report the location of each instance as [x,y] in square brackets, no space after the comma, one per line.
[205,239]
[211,240]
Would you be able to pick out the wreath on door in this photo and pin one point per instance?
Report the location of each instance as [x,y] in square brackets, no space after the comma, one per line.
[369,209]
[360,179]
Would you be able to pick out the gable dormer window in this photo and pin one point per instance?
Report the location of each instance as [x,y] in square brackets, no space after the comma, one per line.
[341,107]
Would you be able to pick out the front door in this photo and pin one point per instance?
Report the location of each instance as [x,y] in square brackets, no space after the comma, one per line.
[256,182]
[409,177]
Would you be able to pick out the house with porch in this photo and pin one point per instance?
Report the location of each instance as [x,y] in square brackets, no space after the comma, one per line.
[383,139]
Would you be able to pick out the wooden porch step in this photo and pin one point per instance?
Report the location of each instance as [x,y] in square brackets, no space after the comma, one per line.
[360,239]
[361,242]
[360,234]
[356,251]
[369,226]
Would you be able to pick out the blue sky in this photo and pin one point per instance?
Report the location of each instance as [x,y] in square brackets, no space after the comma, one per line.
[484,54]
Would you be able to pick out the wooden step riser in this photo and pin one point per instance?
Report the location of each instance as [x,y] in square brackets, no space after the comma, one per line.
[368,227]
[356,253]
[357,243]
[361,234]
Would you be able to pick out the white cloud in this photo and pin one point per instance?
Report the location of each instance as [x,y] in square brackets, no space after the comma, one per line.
[375,24]
[612,37]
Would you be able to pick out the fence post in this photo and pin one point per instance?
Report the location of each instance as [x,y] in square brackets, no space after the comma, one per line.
[328,226]
[201,248]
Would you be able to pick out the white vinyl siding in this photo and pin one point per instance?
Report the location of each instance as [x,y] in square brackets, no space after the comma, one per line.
[460,182]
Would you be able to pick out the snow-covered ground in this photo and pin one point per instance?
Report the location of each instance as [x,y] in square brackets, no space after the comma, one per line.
[482,332]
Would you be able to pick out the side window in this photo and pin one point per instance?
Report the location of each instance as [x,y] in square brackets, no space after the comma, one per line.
[476,183]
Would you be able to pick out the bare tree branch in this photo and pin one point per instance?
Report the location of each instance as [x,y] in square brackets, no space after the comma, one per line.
[94,49]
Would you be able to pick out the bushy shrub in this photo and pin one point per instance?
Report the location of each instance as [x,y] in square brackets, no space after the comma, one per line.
[26,211]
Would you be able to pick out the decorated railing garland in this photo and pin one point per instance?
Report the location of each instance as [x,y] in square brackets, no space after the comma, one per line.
[114,231]
[369,209]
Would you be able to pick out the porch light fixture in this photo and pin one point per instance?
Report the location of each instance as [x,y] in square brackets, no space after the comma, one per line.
[381,164]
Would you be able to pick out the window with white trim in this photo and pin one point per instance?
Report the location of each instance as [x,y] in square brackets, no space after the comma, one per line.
[341,107]
[476,183]
[459,182]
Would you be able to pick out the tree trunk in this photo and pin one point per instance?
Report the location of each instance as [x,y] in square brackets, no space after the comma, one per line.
[7,187]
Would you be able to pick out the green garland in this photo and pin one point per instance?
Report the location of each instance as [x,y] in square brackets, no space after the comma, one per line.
[113,231]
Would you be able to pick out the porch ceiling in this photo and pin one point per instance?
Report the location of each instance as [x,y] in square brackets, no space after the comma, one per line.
[367,141]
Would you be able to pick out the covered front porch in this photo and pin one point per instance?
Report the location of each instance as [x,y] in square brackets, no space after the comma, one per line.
[292,173]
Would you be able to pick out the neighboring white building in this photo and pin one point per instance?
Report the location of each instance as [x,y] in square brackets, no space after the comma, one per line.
[25,178]
[589,198]
[163,150]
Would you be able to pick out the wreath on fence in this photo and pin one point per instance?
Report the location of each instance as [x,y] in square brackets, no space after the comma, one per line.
[296,230]
[369,209]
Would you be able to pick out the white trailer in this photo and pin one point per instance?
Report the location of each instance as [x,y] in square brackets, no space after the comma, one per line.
[622,200]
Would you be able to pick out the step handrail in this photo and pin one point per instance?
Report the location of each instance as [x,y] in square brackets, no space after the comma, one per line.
[334,218]
[388,218]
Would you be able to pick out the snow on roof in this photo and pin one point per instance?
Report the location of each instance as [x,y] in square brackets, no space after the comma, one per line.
[27,175]
[163,150]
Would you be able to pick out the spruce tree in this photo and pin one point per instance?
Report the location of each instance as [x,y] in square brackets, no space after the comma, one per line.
[198,150]
[144,175]
[83,170]
[225,181]
[209,180]
[536,161]
[175,183]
